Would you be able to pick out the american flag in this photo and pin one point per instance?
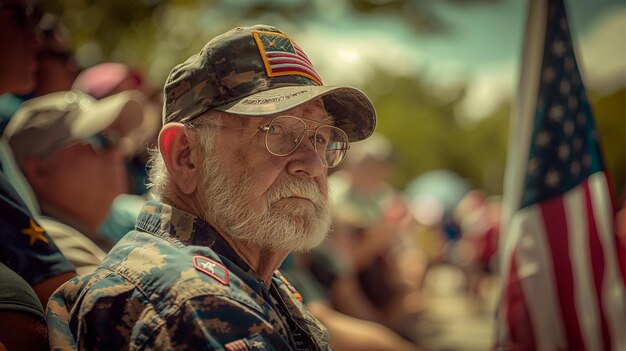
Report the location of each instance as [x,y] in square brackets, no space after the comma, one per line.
[561,283]
[282,56]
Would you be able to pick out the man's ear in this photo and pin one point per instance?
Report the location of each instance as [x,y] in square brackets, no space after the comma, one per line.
[180,157]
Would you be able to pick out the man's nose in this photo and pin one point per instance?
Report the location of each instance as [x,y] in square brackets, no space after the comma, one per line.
[305,161]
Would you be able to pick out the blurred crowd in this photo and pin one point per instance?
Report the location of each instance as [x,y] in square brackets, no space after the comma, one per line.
[75,142]
[73,156]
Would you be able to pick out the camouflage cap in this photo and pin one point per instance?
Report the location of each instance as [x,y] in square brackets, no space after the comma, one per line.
[259,71]
[51,122]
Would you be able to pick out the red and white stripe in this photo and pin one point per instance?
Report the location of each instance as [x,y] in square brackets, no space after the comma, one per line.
[282,61]
[562,288]
[300,52]
[561,284]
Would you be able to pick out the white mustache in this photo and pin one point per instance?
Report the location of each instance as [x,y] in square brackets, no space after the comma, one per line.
[292,187]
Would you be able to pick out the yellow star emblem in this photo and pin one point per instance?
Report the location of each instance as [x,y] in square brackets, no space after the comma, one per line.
[34,232]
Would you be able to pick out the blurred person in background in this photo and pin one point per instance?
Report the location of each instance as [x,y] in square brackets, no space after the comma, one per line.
[101,81]
[21,42]
[56,70]
[76,166]
[347,333]
[31,267]
[371,229]
[56,67]
[478,217]
[241,174]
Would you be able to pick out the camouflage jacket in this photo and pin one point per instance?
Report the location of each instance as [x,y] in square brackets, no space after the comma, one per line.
[175,284]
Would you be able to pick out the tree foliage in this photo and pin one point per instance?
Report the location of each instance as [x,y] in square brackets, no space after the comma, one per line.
[422,123]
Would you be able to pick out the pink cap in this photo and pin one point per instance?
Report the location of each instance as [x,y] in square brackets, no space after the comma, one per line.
[105,79]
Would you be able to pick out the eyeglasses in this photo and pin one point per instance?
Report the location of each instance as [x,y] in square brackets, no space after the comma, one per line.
[285,133]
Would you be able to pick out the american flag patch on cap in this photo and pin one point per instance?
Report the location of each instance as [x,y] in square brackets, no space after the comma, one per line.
[282,56]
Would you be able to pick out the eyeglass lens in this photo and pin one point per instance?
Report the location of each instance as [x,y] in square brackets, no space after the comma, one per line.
[284,134]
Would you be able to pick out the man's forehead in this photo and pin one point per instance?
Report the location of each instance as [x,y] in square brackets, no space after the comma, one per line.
[313,106]
[314,110]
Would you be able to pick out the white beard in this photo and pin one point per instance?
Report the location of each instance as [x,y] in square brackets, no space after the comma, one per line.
[279,223]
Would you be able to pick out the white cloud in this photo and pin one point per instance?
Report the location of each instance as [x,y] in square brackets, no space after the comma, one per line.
[602,58]
[602,55]
[353,58]
[488,90]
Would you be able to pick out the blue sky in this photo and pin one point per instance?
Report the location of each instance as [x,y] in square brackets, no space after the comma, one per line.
[482,47]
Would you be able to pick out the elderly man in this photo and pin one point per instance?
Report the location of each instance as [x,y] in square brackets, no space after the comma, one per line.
[249,133]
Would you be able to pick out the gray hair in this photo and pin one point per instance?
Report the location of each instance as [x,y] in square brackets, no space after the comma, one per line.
[203,129]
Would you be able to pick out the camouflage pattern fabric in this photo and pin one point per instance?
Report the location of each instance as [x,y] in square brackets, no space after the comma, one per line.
[227,68]
[234,67]
[175,284]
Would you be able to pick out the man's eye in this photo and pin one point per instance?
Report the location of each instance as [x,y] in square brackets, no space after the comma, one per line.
[275,129]
[321,139]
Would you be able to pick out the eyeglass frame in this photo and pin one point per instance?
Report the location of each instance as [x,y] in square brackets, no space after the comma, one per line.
[306,129]
[266,129]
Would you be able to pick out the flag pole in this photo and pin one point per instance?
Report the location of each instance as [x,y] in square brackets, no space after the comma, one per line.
[520,128]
